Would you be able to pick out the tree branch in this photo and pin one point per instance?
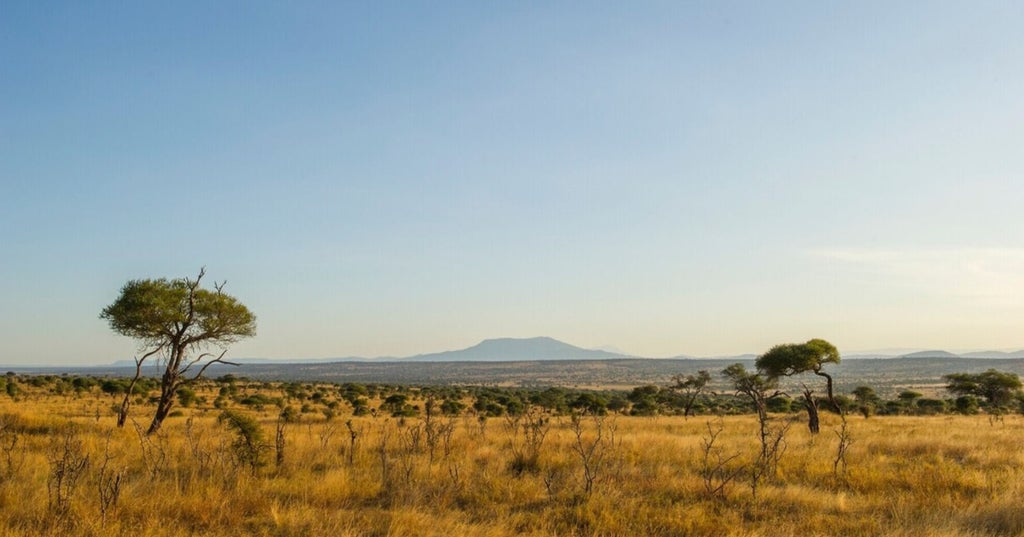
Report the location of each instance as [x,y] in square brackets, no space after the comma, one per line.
[195,361]
[160,347]
[831,396]
[219,360]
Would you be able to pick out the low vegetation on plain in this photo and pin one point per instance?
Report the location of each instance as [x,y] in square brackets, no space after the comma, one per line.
[238,457]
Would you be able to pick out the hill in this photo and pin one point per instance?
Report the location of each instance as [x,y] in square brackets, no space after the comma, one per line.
[994,354]
[513,350]
[930,354]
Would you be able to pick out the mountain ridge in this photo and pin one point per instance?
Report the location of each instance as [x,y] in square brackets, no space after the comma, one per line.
[540,348]
[544,348]
[929,354]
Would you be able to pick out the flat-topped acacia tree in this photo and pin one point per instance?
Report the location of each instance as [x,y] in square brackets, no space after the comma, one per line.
[998,388]
[791,359]
[177,321]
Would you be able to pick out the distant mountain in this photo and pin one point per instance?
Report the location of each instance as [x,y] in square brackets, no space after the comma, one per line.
[890,352]
[612,349]
[930,354]
[259,361]
[975,354]
[868,356]
[737,358]
[994,354]
[512,350]
[549,349]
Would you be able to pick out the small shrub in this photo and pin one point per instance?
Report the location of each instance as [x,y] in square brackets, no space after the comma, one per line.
[186,397]
[967,404]
[249,443]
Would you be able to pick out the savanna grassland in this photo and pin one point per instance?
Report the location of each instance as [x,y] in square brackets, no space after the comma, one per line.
[308,466]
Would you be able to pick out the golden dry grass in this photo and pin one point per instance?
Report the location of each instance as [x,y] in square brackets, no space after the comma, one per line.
[907,476]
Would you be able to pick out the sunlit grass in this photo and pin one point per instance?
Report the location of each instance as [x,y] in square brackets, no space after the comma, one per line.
[943,476]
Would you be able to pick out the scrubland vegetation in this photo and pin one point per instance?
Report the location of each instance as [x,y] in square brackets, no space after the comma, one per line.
[246,458]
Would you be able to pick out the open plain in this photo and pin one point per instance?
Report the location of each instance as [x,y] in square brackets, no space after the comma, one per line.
[307,466]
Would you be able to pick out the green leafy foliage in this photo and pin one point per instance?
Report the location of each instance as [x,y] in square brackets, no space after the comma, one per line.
[177,318]
[745,381]
[249,443]
[154,311]
[452,407]
[790,359]
[998,388]
[186,396]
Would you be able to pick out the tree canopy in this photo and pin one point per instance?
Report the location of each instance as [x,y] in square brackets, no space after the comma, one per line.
[753,385]
[790,359]
[691,387]
[996,387]
[745,382]
[176,319]
[158,312]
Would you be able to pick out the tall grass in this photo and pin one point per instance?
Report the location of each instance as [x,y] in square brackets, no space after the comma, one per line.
[941,476]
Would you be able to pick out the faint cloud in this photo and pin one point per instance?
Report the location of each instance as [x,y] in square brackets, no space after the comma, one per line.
[989,275]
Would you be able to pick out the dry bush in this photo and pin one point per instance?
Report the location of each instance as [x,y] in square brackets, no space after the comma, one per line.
[526,433]
[68,460]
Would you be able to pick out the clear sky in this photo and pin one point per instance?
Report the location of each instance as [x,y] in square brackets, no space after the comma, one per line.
[390,178]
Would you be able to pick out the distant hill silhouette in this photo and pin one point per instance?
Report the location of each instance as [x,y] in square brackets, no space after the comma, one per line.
[550,349]
[261,361]
[930,354]
[976,354]
[994,354]
[511,350]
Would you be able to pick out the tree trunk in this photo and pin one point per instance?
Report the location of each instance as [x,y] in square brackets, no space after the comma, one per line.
[762,421]
[831,396]
[168,386]
[688,408]
[163,408]
[811,405]
[812,419]
[126,403]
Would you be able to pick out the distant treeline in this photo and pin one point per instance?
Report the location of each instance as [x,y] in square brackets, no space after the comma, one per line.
[331,399]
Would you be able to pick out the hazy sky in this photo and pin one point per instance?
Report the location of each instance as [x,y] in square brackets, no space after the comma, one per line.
[389,178]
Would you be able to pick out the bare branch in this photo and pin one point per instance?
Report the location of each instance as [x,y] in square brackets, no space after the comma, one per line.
[219,360]
[126,403]
[195,361]
[160,347]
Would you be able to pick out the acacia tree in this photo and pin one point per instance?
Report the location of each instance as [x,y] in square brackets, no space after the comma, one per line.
[996,387]
[791,359]
[177,320]
[757,388]
[866,399]
[690,387]
[760,390]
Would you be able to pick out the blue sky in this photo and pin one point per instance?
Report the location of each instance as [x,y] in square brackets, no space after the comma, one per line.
[394,178]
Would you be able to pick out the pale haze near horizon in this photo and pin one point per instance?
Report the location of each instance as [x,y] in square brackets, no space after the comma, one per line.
[665,178]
